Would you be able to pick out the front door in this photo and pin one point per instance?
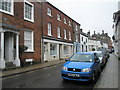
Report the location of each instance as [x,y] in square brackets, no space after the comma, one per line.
[45,52]
[9,47]
[60,51]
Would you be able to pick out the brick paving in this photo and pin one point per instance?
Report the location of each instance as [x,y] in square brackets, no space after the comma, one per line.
[109,75]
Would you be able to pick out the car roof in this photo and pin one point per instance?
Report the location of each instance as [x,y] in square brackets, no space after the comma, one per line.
[85,53]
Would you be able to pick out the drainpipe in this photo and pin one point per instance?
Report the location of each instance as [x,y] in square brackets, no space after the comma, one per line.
[42,45]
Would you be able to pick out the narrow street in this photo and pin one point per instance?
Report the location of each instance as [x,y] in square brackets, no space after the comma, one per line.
[43,78]
[49,77]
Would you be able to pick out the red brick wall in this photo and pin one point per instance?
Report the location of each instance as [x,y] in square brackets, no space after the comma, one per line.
[18,21]
[55,22]
[74,30]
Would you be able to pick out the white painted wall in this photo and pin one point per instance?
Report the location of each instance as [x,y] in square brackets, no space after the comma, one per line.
[61,50]
[93,44]
[82,43]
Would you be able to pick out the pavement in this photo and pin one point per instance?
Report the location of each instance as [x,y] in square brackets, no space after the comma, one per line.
[108,78]
[29,68]
[109,75]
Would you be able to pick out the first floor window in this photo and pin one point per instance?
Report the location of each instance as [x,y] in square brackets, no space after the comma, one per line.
[49,28]
[65,32]
[82,38]
[69,35]
[76,38]
[82,48]
[28,40]
[6,6]
[53,49]
[58,30]
[76,27]
[66,49]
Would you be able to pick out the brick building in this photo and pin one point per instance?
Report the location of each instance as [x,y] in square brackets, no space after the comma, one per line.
[20,25]
[48,33]
[103,38]
[76,35]
[58,33]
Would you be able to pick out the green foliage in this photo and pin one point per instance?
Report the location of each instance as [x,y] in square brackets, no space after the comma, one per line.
[93,49]
[22,48]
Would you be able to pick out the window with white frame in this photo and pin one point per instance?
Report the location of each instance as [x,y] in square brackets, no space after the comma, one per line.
[65,34]
[76,27]
[28,11]
[49,29]
[53,49]
[58,17]
[66,49]
[69,35]
[7,6]
[49,11]
[65,21]
[69,23]
[82,38]
[58,31]
[76,38]
[86,40]
[28,40]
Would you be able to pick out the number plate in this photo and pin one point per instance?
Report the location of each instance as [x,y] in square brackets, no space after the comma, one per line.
[73,75]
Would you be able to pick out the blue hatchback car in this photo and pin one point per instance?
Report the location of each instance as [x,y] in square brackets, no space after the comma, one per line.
[82,66]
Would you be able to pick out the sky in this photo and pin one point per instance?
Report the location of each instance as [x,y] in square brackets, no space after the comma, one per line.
[93,15]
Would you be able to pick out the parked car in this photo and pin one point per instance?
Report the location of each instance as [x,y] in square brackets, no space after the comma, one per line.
[82,66]
[102,58]
[105,52]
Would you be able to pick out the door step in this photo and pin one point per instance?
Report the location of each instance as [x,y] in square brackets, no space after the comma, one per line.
[10,65]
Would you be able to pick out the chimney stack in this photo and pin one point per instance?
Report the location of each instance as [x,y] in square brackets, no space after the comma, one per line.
[81,29]
[102,31]
[88,33]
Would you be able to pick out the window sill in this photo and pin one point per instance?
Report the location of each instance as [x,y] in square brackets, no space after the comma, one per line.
[59,37]
[59,20]
[10,13]
[49,15]
[29,51]
[49,35]
[29,20]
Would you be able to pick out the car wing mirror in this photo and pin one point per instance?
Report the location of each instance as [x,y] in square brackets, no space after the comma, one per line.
[97,60]
[66,60]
